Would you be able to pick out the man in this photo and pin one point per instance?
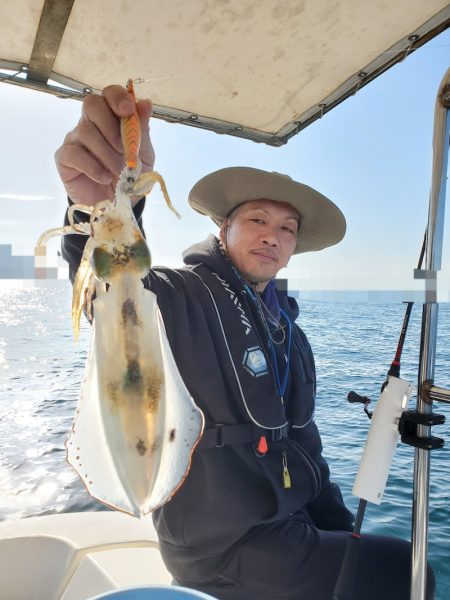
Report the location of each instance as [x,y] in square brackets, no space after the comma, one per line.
[257,517]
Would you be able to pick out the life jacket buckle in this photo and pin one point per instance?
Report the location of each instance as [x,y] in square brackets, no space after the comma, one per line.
[279,434]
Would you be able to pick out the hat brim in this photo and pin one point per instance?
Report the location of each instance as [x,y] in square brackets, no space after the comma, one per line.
[322,224]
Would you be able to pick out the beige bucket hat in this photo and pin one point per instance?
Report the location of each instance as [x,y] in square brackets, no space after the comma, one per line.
[322,224]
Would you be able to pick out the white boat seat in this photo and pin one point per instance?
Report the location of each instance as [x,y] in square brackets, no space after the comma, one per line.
[75,556]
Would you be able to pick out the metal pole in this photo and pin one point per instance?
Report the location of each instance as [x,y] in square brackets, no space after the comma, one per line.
[428,338]
[422,459]
[439,394]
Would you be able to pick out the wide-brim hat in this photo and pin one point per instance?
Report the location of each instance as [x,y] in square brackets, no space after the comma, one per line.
[322,224]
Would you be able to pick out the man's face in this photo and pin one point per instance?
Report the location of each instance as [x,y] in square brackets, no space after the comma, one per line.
[260,237]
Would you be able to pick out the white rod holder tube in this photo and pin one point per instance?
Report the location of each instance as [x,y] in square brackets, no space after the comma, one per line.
[382,440]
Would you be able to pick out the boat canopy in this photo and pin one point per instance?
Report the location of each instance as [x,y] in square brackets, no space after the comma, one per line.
[257,69]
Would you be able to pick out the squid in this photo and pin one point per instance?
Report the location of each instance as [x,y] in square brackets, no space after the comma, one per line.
[136,425]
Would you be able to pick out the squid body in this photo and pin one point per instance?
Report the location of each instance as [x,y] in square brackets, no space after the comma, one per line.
[136,424]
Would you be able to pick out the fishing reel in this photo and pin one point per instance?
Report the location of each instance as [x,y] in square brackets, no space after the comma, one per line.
[408,423]
[353,398]
[389,421]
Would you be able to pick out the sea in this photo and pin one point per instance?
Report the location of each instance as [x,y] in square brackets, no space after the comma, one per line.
[354,342]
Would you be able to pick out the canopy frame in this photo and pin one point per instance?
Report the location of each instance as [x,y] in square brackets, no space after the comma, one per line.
[39,75]
[427,391]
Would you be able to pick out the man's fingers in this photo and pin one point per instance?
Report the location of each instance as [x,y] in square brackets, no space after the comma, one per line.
[96,110]
[145,110]
[118,100]
[91,138]
[91,158]
[73,159]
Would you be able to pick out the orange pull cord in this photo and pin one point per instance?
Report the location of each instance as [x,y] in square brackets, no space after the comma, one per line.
[262,446]
[130,129]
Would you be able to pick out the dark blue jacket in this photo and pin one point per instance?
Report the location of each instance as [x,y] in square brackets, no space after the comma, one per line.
[213,326]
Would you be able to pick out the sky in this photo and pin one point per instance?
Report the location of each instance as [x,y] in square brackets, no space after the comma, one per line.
[371,155]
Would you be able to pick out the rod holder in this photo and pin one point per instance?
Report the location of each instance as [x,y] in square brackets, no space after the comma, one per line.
[409,421]
[382,440]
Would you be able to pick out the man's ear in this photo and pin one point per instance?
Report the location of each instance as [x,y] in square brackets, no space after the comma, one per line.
[223,231]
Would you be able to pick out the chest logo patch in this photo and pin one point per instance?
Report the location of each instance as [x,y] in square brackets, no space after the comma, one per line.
[254,362]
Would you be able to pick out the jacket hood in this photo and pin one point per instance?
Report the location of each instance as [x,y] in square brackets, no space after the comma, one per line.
[209,253]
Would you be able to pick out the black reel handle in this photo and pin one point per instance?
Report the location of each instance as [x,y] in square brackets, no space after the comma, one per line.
[354,397]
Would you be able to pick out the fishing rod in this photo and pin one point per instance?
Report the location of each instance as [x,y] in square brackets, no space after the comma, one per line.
[381,442]
[394,370]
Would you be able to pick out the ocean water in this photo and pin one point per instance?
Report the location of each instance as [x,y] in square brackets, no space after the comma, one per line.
[354,342]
